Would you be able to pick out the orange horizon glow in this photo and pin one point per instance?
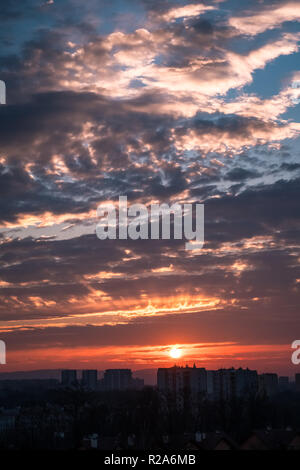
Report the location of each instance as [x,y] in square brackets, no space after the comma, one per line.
[267,358]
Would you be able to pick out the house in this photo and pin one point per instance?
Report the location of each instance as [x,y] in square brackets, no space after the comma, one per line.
[8,419]
[295,442]
[269,439]
[90,442]
[216,440]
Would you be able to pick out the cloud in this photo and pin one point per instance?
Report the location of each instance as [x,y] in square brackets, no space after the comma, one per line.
[240,174]
[270,17]
[186,11]
[158,108]
[232,134]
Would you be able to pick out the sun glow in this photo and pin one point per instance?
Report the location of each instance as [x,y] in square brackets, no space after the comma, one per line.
[175,353]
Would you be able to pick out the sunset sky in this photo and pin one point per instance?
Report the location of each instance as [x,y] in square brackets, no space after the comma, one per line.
[159,101]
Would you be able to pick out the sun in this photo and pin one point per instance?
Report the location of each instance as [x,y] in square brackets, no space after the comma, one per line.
[175,353]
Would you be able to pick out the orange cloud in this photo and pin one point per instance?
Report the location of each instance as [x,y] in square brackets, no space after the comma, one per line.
[186,11]
[86,310]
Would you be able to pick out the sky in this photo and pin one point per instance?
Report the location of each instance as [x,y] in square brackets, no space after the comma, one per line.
[159,101]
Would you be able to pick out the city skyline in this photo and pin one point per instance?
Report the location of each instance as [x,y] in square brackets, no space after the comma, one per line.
[78,374]
[227,356]
[189,409]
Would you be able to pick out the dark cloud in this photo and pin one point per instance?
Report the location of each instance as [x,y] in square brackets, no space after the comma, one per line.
[268,272]
[240,174]
[292,167]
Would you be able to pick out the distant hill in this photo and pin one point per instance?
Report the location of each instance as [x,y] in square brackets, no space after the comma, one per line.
[31,374]
[149,375]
